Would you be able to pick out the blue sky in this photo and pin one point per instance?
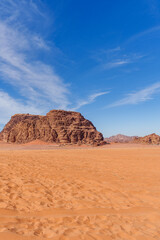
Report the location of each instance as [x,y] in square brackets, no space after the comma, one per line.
[100,58]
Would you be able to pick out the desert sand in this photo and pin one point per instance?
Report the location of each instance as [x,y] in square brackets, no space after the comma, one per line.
[67,193]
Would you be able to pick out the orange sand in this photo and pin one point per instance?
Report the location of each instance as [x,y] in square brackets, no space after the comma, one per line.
[104,193]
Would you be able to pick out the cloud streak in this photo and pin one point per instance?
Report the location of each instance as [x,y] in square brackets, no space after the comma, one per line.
[115,58]
[34,80]
[143,33]
[89,100]
[117,63]
[37,86]
[138,97]
[10,106]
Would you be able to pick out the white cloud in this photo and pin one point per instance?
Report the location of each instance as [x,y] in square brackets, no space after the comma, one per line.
[122,60]
[10,106]
[23,11]
[112,50]
[115,58]
[40,43]
[37,85]
[34,80]
[116,63]
[89,100]
[139,96]
[143,33]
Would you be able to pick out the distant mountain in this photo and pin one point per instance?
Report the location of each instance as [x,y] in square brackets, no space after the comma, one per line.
[149,139]
[119,138]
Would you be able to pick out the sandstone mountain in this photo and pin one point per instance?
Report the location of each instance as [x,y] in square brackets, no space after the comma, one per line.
[149,139]
[57,126]
[119,138]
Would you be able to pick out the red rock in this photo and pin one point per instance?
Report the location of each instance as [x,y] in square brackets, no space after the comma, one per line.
[149,139]
[119,138]
[57,126]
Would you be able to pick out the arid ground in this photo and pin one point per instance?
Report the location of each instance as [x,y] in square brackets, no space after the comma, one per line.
[60,193]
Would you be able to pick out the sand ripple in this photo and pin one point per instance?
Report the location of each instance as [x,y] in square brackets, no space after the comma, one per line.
[80,194]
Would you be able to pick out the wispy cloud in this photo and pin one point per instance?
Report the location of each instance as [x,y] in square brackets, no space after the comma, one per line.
[123,60]
[115,58]
[116,63]
[138,97]
[40,43]
[10,106]
[112,50]
[89,100]
[37,85]
[35,80]
[102,55]
[143,33]
[22,11]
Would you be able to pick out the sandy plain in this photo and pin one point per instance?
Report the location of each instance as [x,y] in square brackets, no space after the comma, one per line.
[67,193]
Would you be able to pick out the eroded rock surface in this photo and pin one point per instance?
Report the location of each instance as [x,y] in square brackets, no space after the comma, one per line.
[149,139]
[57,126]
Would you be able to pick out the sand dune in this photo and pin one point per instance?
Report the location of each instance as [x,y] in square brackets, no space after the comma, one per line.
[99,193]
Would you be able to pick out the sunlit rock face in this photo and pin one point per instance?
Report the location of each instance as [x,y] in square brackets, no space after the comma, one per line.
[57,126]
[149,139]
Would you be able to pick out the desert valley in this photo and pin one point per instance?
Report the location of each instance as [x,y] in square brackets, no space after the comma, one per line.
[79,120]
[59,180]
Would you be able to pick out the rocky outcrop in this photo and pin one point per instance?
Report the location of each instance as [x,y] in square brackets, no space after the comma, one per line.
[119,138]
[149,139]
[57,126]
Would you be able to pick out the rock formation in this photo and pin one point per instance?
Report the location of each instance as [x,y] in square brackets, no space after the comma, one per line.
[149,139]
[119,138]
[57,126]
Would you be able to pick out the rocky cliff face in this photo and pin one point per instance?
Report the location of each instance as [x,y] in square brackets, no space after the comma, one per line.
[57,126]
[149,139]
